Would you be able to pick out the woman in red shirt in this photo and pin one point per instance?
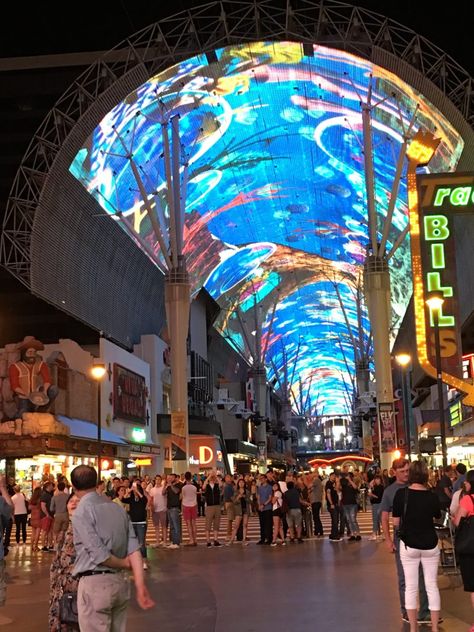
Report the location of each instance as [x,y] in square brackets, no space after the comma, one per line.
[466,509]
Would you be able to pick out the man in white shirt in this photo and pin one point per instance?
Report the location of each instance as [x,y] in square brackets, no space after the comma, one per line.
[158,512]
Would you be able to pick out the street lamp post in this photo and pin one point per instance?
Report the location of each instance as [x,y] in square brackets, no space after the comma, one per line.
[435,302]
[98,372]
[403,360]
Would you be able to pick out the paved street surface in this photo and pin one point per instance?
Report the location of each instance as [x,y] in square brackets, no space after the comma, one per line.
[318,585]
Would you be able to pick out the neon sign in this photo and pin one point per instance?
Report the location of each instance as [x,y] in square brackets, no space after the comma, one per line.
[433,259]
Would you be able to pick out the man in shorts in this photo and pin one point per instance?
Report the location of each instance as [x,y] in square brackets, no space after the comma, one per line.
[212,495]
[58,508]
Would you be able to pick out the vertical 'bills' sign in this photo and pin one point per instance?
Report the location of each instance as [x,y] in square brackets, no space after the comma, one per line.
[441,197]
[432,202]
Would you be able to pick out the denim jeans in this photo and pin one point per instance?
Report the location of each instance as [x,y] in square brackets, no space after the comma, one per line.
[335,518]
[318,525]
[350,512]
[423,611]
[174,517]
[376,518]
[140,532]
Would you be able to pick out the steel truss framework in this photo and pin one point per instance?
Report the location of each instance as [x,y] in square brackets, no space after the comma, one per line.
[220,24]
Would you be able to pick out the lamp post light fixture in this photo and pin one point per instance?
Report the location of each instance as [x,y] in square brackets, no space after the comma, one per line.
[435,303]
[403,360]
[98,371]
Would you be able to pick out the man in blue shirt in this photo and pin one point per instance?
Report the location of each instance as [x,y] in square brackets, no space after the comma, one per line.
[105,544]
[461,469]
[265,513]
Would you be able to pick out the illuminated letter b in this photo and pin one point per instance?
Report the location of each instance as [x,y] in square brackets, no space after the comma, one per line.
[436,228]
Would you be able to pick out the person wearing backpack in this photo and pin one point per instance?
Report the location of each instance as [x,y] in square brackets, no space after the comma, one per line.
[466,512]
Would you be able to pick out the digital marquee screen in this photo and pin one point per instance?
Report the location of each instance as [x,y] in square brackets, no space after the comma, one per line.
[276,206]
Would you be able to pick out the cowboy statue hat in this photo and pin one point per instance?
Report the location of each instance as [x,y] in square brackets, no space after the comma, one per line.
[30,342]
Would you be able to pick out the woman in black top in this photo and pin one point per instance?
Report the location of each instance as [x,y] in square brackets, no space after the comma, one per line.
[414,508]
[138,502]
[376,490]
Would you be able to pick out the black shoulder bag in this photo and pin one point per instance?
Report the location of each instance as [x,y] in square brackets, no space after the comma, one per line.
[401,531]
[68,608]
[464,538]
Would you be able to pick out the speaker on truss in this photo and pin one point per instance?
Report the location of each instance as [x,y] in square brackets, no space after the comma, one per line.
[427,445]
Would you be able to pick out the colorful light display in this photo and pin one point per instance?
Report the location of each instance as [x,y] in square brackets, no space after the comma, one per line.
[275,210]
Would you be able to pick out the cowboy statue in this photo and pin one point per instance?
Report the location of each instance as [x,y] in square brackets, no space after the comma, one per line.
[30,379]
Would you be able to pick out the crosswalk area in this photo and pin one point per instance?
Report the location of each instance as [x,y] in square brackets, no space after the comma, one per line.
[253,529]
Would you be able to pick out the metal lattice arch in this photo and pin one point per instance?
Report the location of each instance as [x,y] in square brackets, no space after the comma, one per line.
[210,26]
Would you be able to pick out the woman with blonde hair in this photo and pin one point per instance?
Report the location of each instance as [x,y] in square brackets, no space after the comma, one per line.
[414,508]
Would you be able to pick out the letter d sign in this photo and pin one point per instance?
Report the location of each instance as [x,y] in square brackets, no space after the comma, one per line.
[206,455]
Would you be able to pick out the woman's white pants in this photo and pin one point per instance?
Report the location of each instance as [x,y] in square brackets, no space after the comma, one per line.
[411,560]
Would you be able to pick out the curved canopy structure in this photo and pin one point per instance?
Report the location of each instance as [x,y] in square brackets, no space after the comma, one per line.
[275,214]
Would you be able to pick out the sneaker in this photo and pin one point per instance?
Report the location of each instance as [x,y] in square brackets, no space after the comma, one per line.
[245,542]
[300,541]
[335,539]
[209,544]
[283,543]
[260,542]
[44,548]
[274,544]
[173,546]
[217,543]
[405,618]
[358,538]
[352,538]
[427,621]
[373,538]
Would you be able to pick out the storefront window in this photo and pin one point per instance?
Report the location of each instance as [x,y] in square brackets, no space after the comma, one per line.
[31,472]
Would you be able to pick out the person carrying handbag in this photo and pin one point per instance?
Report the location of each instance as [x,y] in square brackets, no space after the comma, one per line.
[414,508]
[464,539]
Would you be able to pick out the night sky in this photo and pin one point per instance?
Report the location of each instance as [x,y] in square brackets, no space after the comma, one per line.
[43,27]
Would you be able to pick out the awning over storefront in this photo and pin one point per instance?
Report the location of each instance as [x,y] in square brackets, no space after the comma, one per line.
[86,430]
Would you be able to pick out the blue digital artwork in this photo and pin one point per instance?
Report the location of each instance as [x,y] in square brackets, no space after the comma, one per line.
[276,211]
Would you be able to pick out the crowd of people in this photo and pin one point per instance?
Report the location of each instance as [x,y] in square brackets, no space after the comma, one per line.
[288,507]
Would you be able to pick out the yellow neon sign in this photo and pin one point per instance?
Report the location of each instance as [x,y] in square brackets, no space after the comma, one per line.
[424,147]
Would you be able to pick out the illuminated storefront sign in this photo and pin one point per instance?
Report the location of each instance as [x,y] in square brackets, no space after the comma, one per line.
[468,366]
[455,414]
[143,462]
[432,201]
[205,452]
[139,435]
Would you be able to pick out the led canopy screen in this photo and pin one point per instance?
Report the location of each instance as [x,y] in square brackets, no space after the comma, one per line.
[275,216]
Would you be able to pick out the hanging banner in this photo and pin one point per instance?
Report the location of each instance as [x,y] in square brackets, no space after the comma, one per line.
[388,430]
[178,422]
[130,393]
